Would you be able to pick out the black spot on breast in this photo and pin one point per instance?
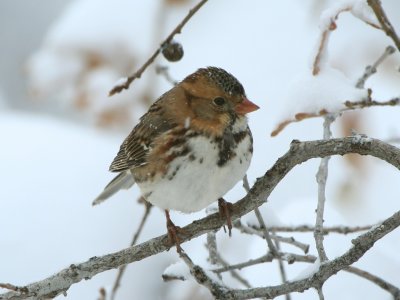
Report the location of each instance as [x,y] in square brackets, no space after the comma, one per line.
[201,160]
[192,157]
[226,146]
[239,136]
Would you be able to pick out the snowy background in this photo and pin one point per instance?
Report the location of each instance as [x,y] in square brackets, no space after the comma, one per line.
[59,132]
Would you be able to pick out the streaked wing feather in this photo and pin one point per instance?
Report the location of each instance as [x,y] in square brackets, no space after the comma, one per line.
[124,180]
[134,150]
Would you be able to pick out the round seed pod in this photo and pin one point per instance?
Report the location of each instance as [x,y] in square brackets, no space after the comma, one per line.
[172,51]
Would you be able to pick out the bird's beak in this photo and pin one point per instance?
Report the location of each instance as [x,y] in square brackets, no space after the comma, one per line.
[245,107]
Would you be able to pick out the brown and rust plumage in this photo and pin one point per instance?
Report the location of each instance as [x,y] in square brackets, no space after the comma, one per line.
[190,99]
[190,148]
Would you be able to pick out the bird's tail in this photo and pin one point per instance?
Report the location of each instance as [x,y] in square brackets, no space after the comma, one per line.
[123,180]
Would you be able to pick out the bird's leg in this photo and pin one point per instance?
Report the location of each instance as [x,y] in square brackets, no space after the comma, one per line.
[173,232]
[225,211]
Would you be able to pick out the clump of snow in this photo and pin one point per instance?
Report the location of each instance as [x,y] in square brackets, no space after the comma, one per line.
[360,9]
[120,81]
[177,270]
[308,271]
[361,138]
[327,91]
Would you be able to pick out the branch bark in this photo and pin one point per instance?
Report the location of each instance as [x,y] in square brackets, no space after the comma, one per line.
[360,245]
[298,153]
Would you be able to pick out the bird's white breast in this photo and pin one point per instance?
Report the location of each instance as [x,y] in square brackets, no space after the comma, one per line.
[195,180]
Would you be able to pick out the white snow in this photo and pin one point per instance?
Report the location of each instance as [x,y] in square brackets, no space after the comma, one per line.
[120,81]
[327,91]
[308,271]
[178,270]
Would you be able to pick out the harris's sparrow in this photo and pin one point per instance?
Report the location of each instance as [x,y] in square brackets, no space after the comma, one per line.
[190,148]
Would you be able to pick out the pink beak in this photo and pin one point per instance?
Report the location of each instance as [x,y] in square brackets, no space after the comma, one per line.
[245,107]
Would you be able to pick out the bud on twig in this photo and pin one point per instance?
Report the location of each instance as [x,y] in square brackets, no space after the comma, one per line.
[172,51]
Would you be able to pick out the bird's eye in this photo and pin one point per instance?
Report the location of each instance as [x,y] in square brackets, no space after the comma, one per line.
[219,101]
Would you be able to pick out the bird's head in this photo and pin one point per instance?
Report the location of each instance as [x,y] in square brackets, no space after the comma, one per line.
[216,96]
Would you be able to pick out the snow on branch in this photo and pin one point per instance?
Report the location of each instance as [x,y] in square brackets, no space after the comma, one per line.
[298,153]
[324,90]
[327,23]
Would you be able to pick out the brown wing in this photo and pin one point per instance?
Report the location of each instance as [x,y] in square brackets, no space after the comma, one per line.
[134,150]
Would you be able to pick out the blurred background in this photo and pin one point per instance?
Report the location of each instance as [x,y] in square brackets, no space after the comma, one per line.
[59,132]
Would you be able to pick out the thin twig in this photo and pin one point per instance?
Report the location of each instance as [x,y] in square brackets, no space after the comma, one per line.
[395,291]
[323,40]
[369,70]
[260,219]
[118,88]
[321,177]
[272,248]
[286,240]
[370,103]
[163,70]
[269,257]
[384,21]
[11,287]
[233,273]
[121,269]
[102,294]
[348,105]
[326,230]
[360,245]
[320,293]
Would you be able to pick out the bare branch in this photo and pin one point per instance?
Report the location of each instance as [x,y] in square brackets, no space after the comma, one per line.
[369,70]
[360,245]
[124,86]
[298,153]
[395,291]
[348,105]
[163,70]
[322,176]
[233,272]
[384,21]
[325,230]
[370,103]
[121,270]
[14,288]
[258,232]
[269,257]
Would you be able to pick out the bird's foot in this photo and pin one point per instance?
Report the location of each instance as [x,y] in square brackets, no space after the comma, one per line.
[173,233]
[225,211]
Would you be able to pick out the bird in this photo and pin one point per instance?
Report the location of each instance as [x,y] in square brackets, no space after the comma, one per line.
[189,149]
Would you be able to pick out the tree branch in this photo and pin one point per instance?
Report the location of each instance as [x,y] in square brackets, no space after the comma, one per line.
[298,153]
[326,230]
[322,176]
[124,86]
[360,245]
[384,21]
